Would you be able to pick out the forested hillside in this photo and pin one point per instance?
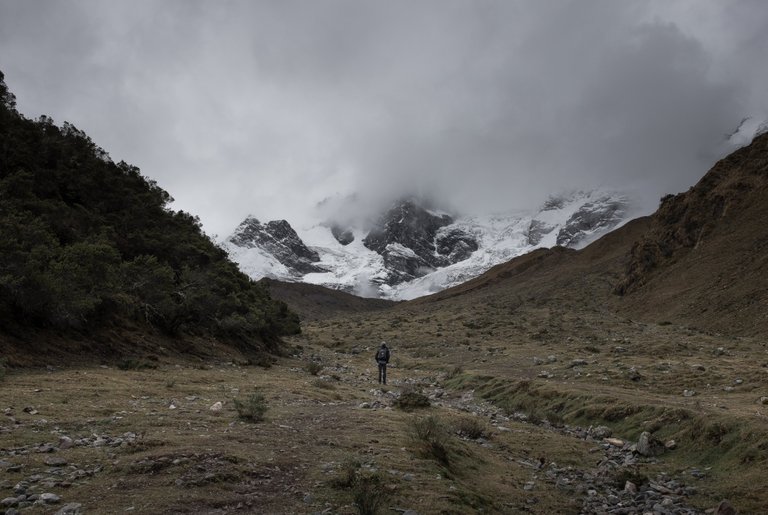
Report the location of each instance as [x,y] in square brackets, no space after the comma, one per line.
[86,242]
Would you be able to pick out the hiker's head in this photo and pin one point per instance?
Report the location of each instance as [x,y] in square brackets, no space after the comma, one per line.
[383,345]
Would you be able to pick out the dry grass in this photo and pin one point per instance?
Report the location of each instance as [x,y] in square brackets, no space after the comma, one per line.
[191,459]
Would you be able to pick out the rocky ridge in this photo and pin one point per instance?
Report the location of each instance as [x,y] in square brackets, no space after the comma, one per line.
[413,250]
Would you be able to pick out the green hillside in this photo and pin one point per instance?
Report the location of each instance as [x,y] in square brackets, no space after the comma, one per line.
[86,243]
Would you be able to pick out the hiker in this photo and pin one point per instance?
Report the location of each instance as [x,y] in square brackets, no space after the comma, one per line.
[382,358]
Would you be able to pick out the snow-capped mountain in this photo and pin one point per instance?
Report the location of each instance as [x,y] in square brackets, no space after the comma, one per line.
[413,249]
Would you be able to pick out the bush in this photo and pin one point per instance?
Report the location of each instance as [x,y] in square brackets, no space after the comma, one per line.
[369,493]
[313,367]
[471,427]
[347,474]
[454,372]
[251,409]
[431,438]
[412,399]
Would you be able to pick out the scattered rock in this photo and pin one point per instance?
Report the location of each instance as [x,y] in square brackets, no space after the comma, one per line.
[49,498]
[763,400]
[601,432]
[65,442]
[633,374]
[72,508]
[537,361]
[529,486]
[9,501]
[649,445]
[671,445]
[217,406]
[578,363]
[551,358]
[55,461]
[725,508]
[699,367]
[365,405]
[689,393]
[616,442]
[630,487]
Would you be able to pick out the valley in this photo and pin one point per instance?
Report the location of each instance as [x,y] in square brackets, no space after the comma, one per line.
[513,394]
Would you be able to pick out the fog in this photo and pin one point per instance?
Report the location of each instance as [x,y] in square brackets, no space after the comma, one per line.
[269,108]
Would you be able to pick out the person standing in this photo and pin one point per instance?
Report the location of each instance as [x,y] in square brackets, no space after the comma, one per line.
[382,358]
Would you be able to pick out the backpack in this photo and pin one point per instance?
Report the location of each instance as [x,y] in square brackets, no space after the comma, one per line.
[382,355]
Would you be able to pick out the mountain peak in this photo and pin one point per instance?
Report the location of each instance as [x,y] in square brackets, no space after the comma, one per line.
[413,247]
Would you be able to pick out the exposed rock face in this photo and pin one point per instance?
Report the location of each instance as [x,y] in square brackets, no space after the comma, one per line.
[537,230]
[598,215]
[413,243]
[343,236]
[604,213]
[279,239]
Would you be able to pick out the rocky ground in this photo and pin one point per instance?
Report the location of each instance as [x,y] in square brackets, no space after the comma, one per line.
[164,436]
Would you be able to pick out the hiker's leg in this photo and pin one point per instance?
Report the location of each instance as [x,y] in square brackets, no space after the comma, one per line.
[384,369]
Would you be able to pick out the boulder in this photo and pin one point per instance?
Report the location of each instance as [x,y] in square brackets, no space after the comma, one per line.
[649,445]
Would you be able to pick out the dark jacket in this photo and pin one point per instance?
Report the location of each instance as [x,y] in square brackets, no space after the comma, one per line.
[382,355]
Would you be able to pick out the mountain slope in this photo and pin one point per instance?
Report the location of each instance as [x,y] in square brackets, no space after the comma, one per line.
[313,302]
[704,259]
[700,260]
[89,244]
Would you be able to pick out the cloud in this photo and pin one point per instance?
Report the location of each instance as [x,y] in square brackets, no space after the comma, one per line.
[267,108]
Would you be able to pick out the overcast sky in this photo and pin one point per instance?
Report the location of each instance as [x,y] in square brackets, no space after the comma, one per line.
[268,107]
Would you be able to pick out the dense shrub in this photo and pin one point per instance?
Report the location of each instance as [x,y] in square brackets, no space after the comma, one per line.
[86,241]
[252,408]
[412,399]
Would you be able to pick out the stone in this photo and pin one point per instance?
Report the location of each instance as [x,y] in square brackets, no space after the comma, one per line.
[65,442]
[601,432]
[616,442]
[55,461]
[72,508]
[529,486]
[578,363]
[365,405]
[699,367]
[689,393]
[630,487]
[537,361]
[217,406]
[49,498]
[670,444]
[649,445]
[309,499]
[725,508]
[9,501]
[633,374]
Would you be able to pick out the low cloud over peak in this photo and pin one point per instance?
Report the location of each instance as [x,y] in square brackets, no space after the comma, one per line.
[271,107]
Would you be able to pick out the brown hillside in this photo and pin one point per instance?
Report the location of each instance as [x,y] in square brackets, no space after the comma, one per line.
[700,260]
[703,260]
[312,302]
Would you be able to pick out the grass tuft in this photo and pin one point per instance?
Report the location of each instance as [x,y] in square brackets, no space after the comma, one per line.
[471,427]
[251,409]
[412,399]
[313,367]
[431,439]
